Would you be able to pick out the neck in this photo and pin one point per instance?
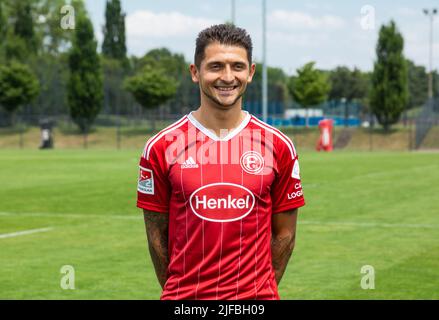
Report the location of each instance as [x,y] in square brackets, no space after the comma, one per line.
[220,121]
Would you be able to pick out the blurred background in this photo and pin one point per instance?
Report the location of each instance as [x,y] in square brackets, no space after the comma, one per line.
[90,81]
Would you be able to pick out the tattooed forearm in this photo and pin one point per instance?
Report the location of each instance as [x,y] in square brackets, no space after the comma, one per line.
[156,225]
[281,250]
[282,241]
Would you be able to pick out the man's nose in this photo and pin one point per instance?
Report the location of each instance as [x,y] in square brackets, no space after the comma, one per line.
[227,75]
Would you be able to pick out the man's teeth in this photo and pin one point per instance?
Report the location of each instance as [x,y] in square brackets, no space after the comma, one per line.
[225,88]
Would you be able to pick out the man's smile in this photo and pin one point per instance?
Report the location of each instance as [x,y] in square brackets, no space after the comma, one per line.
[226,90]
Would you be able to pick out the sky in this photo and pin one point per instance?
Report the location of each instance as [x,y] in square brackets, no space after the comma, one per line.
[340,32]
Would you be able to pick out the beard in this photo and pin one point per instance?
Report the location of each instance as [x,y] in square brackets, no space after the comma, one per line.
[216,101]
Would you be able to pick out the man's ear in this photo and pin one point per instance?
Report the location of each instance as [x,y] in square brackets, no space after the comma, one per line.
[194,73]
[252,72]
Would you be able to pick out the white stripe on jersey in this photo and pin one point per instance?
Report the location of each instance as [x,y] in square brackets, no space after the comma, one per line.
[159,135]
[202,226]
[278,133]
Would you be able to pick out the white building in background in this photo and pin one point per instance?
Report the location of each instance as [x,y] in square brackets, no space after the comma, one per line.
[302,113]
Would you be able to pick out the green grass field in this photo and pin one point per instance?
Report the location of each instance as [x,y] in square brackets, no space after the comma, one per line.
[378,209]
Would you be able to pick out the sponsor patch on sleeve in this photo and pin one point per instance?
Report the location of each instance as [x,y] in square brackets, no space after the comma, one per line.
[146,181]
[295,173]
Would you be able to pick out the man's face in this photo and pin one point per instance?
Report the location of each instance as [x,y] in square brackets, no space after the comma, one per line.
[223,74]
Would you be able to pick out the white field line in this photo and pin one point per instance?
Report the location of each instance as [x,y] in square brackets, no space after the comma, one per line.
[303,222]
[72,215]
[23,233]
[372,224]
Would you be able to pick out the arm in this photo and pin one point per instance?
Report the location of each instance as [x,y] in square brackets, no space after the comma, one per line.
[283,231]
[156,225]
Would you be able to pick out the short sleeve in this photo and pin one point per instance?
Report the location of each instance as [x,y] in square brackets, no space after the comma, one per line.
[153,188]
[286,191]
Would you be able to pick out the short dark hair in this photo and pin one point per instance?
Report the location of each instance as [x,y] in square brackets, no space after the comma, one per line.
[227,34]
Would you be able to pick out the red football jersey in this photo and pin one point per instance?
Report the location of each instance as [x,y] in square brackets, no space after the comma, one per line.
[220,194]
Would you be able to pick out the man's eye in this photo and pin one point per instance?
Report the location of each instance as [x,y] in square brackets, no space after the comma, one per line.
[215,66]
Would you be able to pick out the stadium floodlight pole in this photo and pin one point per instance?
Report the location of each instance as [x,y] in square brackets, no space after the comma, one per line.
[430,14]
[264,63]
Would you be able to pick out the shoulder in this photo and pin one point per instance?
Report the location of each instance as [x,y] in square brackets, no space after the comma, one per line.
[281,142]
[159,141]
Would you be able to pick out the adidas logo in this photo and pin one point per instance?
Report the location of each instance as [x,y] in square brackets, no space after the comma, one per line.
[189,163]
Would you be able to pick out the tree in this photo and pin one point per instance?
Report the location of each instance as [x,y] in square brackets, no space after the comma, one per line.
[389,94]
[151,87]
[84,88]
[116,99]
[24,25]
[310,87]
[2,22]
[435,83]
[341,85]
[347,86]
[175,66]
[418,84]
[18,86]
[37,24]
[115,62]
[53,76]
[55,39]
[114,31]
[17,37]
[3,29]
[276,85]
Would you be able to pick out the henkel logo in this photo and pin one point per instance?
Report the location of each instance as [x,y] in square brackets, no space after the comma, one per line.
[222,202]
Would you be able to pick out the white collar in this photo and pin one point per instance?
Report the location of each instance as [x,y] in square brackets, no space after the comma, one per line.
[212,135]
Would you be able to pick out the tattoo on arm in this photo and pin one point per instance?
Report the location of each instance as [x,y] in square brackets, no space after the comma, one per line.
[281,249]
[156,225]
[283,241]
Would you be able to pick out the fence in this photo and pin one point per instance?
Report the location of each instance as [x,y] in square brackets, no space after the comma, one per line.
[131,132]
[427,133]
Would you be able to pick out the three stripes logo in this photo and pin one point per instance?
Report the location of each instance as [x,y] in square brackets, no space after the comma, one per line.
[189,163]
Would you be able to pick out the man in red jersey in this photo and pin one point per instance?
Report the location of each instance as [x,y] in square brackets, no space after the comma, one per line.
[219,188]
